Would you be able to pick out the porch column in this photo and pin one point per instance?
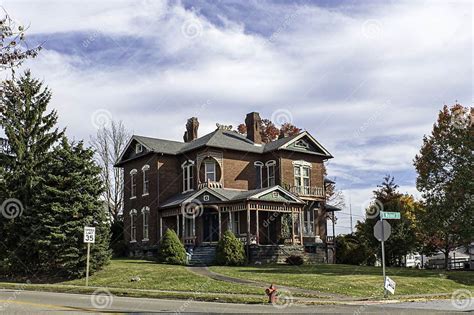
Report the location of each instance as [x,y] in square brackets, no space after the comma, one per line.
[194,229]
[248,233]
[230,220]
[182,228]
[177,225]
[220,223]
[301,226]
[161,226]
[292,227]
[258,230]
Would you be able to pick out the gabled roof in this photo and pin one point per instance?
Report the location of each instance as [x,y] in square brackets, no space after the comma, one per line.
[224,139]
[229,195]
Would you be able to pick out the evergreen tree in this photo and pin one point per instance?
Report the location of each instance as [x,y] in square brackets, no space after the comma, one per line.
[403,238]
[70,200]
[171,250]
[31,134]
[230,250]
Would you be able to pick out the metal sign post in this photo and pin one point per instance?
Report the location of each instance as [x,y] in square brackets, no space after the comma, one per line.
[89,237]
[383,259]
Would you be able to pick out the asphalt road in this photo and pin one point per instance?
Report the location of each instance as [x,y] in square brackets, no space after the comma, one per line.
[29,302]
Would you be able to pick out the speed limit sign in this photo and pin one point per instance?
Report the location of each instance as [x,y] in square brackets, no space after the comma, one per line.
[89,234]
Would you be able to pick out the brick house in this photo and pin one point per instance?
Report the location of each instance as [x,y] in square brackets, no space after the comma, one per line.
[271,195]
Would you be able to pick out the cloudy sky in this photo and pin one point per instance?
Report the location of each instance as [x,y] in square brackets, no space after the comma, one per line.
[366,78]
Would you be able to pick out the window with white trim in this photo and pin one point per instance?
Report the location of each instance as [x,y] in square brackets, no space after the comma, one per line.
[138,148]
[146,180]
[133,183]
[308,221]
[258,169]
[133,225]
[188,175]
[302,178]
[271,165]
[210,171]
[236,223]
[146,218]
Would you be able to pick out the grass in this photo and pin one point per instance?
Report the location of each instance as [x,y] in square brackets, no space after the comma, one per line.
[355,281]
[156,276]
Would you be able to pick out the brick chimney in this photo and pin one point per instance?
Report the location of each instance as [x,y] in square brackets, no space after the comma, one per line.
[191,132]
[252,122]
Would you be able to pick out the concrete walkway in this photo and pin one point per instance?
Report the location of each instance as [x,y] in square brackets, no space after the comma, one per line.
[204,271]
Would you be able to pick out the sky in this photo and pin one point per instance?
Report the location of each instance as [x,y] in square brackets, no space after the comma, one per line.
[365,78]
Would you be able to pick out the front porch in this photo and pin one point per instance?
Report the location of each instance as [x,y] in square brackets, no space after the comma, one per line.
[254,223]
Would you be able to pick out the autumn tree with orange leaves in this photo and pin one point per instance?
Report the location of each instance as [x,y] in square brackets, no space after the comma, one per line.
[446,180]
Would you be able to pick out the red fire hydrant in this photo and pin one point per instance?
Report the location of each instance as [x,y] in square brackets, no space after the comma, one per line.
[272,294]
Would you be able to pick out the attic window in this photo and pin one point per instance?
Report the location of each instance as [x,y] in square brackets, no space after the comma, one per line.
[302,144]
[138,148]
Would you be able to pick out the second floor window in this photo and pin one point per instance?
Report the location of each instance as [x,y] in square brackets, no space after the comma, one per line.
[188,176]
[146,179]
[302,178]
[133,183]
[259,179]
[210,171]
[271,165]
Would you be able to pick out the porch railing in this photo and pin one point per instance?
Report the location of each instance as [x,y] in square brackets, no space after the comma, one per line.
[313,191]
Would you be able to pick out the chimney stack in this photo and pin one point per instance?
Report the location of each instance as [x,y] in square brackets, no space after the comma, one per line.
[253,124]
[191,132]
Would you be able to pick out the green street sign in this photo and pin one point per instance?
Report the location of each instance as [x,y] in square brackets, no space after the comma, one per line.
[390,215]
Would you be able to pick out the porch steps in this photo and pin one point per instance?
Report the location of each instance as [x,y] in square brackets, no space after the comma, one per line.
[203,256]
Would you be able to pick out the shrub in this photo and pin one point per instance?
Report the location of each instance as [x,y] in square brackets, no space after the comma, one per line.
[230,250]
[171,251]
[294,260]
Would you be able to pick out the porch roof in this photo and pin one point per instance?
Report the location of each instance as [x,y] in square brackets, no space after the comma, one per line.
[229,195]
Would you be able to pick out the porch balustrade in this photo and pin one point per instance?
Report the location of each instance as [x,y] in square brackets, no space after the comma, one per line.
[312,191]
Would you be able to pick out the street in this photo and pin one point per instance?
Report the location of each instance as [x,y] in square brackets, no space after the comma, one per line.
[28,302]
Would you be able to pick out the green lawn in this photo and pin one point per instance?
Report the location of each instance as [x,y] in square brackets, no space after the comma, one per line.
[156,276]
[356,281]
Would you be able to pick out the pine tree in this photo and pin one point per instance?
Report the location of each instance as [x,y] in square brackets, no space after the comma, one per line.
[31,134]
[70,200]
[171,249]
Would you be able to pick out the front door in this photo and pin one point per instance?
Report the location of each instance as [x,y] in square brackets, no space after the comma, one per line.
[210,220]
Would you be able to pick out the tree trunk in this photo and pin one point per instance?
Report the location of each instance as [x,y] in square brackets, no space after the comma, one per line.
[446,260]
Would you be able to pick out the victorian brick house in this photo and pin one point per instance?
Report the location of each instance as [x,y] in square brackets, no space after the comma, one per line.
[271,195]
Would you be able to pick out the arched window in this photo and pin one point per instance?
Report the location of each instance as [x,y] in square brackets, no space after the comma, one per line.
[302,172]
[188,175]
[258,168]
[133,225]
[133,183]
[146,180]
[146,218]
[271,166]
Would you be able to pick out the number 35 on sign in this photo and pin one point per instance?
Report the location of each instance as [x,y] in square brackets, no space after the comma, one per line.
[89,234]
